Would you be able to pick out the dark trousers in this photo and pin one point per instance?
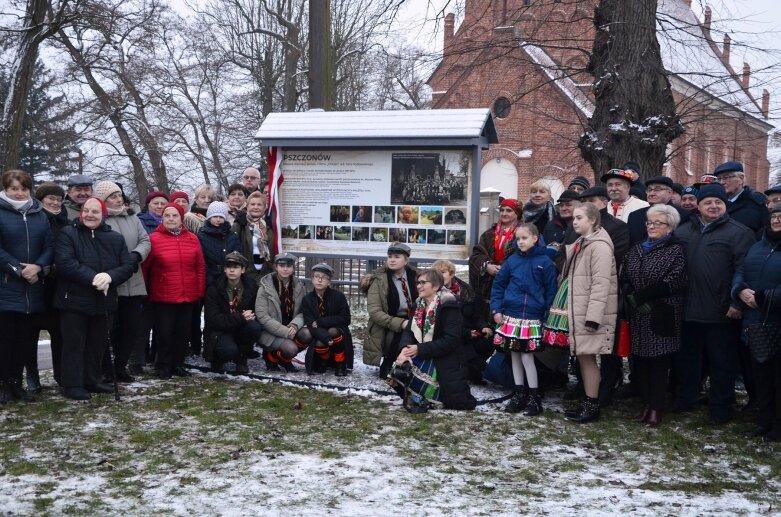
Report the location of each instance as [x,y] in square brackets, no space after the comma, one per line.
[138,353]
[746,369]
[651,375]
[15,334]
[767,378]
[611,374]
[84,343]
[172,333]
[125,332]
[50,322]
[196,334]
[232,345]
[717,342]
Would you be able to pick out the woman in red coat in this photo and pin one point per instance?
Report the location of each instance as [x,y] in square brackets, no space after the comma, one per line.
[175,274]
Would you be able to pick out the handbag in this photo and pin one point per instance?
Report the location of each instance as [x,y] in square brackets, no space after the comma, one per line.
[764,339]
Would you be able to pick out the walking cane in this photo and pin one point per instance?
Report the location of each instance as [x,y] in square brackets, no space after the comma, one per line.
[110,348]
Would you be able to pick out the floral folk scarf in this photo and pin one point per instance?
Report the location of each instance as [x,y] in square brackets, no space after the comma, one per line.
[424,318]
[501,238]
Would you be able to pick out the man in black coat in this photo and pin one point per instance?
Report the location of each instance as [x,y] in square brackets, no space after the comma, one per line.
[744,205]
[659,191]
[715,246]
[610,367]
[229,307]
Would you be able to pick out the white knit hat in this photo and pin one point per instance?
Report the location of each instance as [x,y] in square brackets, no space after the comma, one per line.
[103,189]
[217,208]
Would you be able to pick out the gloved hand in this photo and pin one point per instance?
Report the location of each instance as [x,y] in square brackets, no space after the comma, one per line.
[101,281]
[136,256]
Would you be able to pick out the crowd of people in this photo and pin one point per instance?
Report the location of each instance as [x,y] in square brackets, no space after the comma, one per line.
[686,275]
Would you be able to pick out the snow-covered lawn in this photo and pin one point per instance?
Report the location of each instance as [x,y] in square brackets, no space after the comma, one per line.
[222,445]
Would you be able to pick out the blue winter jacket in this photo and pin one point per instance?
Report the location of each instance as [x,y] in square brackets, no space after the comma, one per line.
[149,222]
[24,237]
[526,285]
[760,271]
[216,242]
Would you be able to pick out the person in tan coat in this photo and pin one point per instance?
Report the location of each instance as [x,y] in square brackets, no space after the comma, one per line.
[592,303]
[278,309]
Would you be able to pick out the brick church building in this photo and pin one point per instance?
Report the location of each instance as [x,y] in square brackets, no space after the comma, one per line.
[525,59]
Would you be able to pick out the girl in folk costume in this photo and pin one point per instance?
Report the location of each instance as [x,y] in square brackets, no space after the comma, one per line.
[521,295]
[491,250]
[327,319]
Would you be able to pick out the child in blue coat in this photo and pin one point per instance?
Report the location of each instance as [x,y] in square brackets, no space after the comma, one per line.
[521,296]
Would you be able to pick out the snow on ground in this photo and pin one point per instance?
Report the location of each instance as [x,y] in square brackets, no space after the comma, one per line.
[572,471]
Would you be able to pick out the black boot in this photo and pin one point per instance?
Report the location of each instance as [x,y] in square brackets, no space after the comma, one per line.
[123,375]
[341,370]
[535,403]
[588,412]
[33,381]
[20,393]
[519,400]
[6,396]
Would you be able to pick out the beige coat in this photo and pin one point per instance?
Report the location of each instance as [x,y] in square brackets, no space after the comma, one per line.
[593,294]
[268,310]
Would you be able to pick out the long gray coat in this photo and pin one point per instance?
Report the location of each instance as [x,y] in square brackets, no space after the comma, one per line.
[136,239]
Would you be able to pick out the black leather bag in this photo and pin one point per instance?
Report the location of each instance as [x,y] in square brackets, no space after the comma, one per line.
[764,338]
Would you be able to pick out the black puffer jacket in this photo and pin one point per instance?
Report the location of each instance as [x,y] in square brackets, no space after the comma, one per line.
[216,242]
[79,255]
[217,312]
[760,272]
[713,254]
[449,356]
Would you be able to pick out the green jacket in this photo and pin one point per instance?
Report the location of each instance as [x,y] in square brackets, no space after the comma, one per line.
[379,319]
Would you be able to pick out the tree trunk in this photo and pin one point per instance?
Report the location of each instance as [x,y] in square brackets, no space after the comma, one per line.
[30,37]
[113,112]
[634,118]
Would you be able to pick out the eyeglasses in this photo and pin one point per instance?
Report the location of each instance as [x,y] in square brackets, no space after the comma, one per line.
[725,177]
[657,189]
[320,278]
[775,217]
[422,282]
[655,224]
[250,177]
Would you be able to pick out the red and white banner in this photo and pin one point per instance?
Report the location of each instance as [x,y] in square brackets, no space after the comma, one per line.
[275,179]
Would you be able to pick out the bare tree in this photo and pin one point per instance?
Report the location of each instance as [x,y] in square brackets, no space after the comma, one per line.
[42,18]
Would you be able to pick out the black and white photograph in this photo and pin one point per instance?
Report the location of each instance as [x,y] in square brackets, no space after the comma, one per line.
[340,214]
[436,236]
[429,178]
[455,215]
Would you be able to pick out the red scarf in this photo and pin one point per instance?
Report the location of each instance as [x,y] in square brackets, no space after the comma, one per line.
[501,238]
